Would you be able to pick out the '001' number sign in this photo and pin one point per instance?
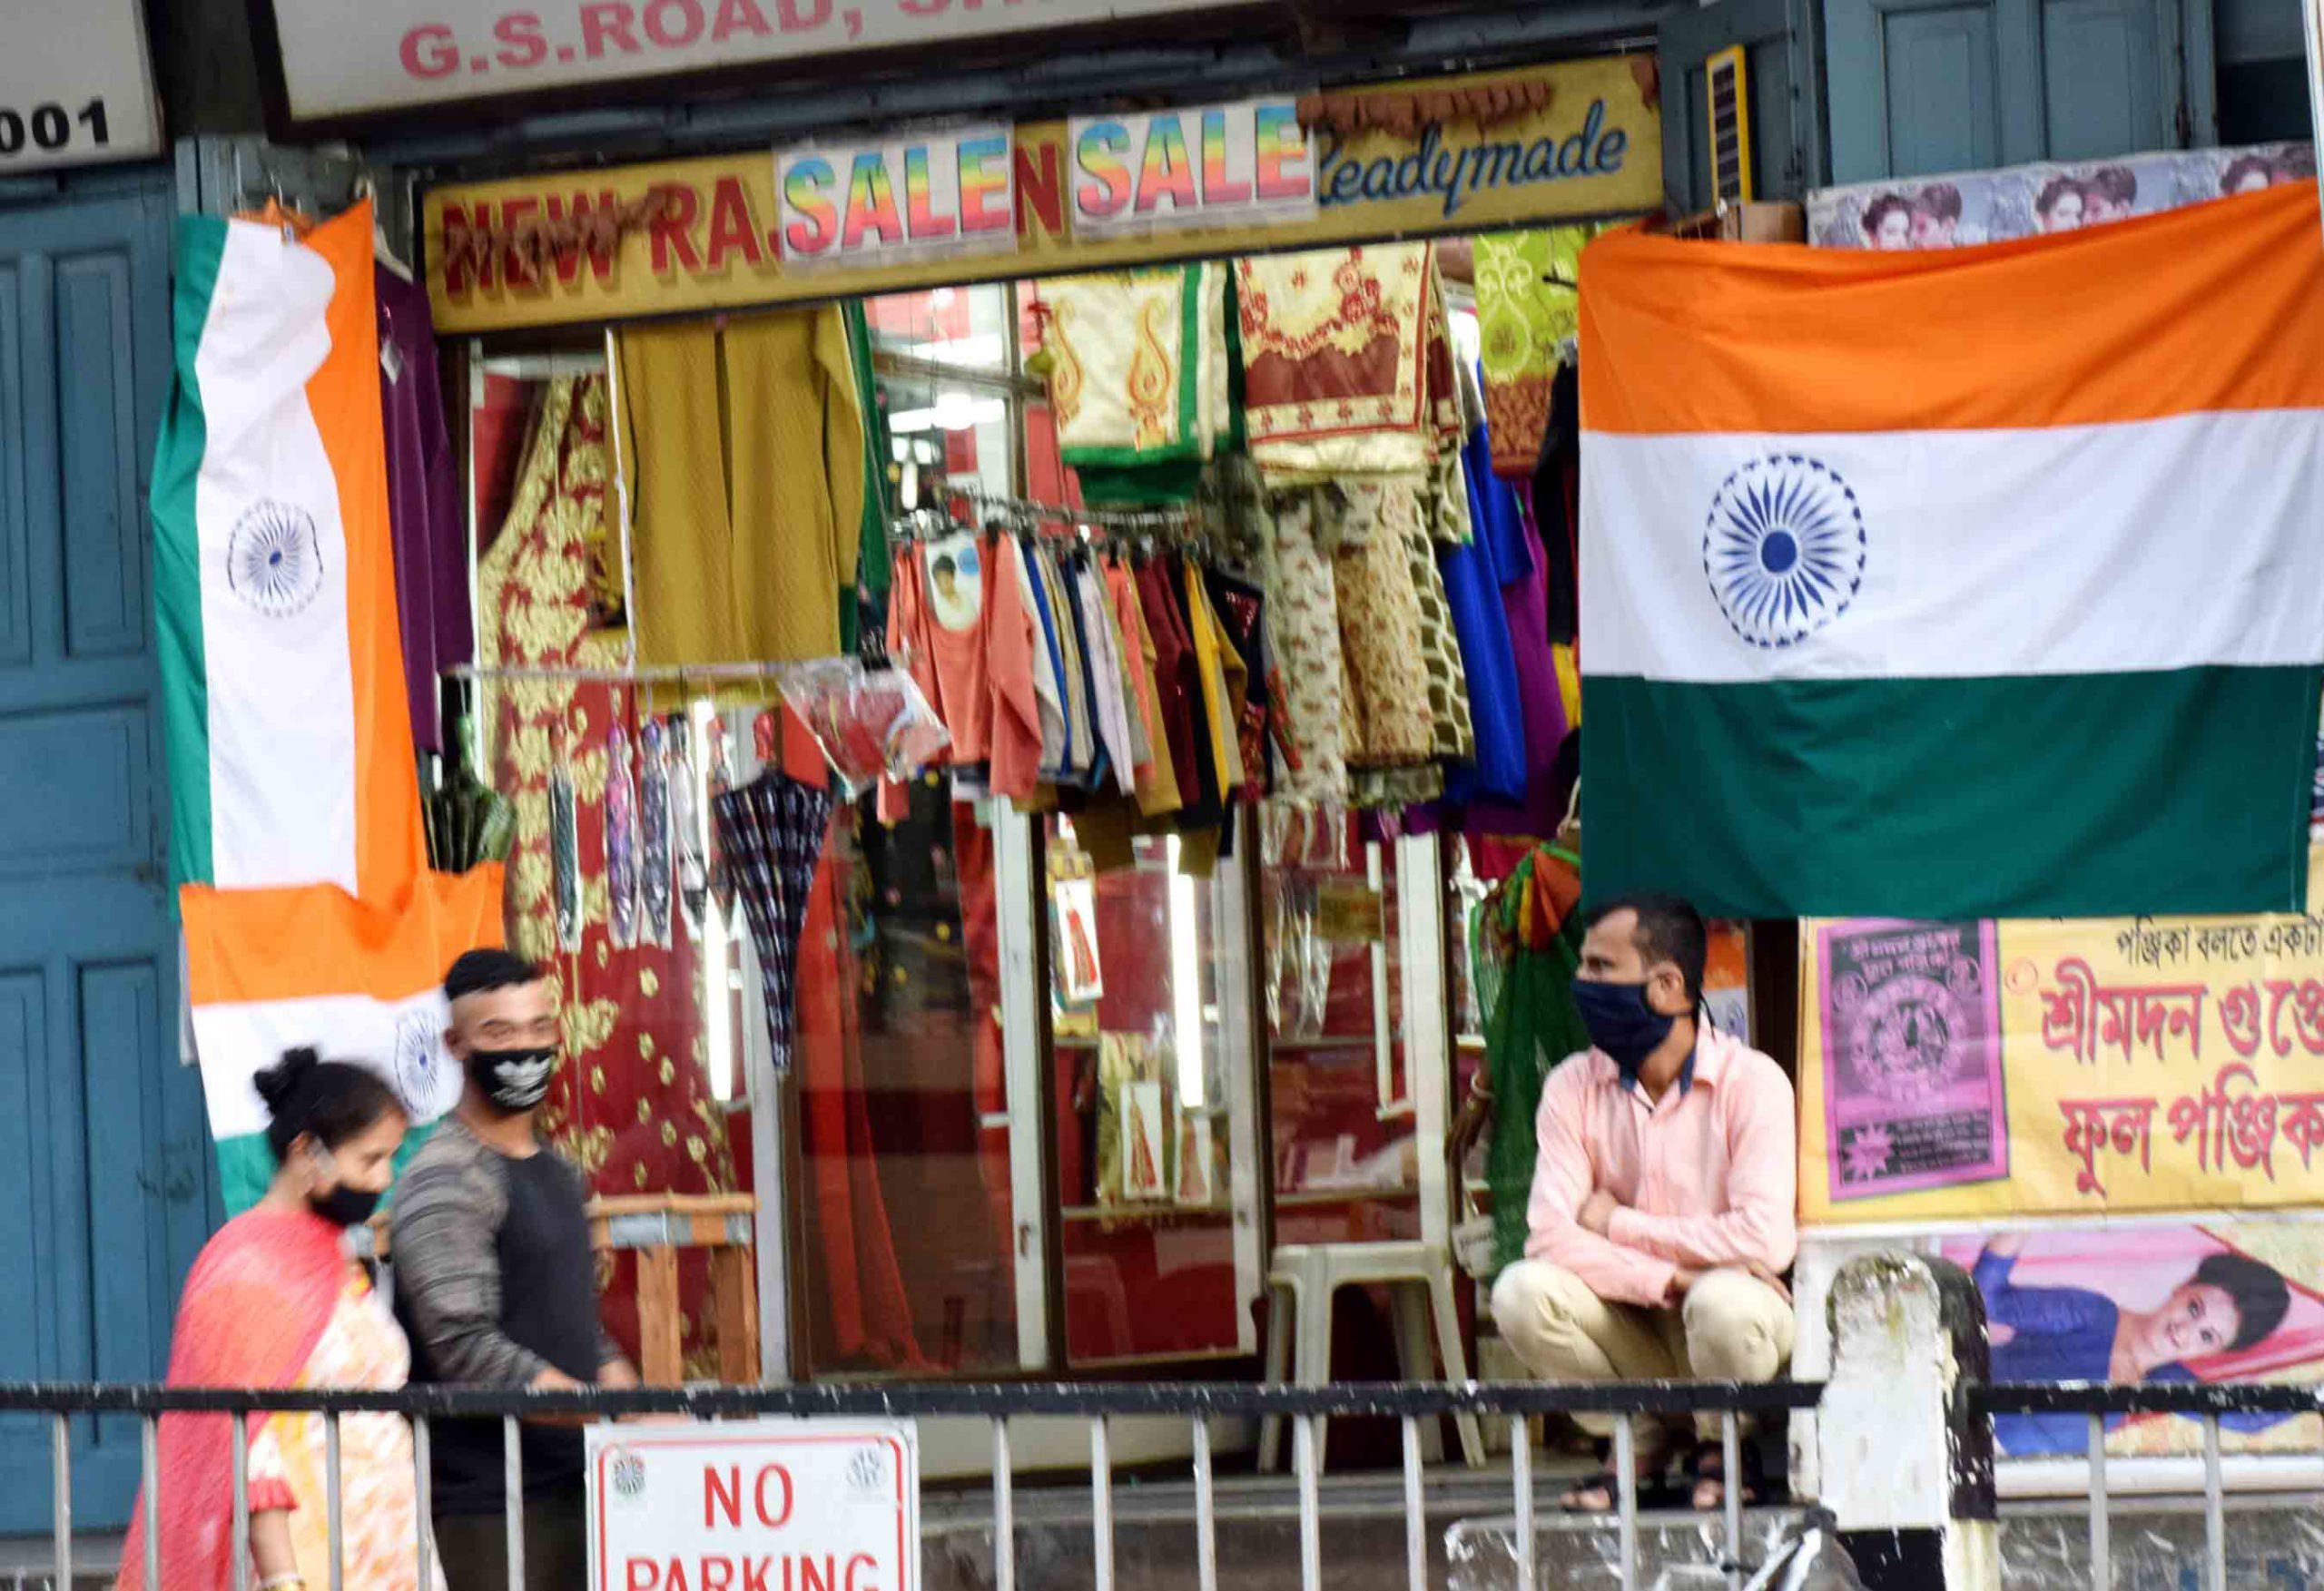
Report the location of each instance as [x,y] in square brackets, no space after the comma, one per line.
[51,128]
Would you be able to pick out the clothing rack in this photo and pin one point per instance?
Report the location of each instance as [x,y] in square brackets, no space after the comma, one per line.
[1026,513]
[678,674]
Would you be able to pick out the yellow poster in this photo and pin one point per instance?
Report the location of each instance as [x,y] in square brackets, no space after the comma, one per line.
[1571,140]
[1967,1070]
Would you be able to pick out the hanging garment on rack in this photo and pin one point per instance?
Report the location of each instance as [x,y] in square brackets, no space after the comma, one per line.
[1557,502]
[1048,665]
[631,1103]
[1476,576]
[1158,780]
[1382,628]
[1109,675]
[743,447]
[873,568]
[1527,306]
[1335,360]
[1021,695]
[1239,609]
[1139,379]
[1454,731]
[431,533]
[1303,618]
[1224,679]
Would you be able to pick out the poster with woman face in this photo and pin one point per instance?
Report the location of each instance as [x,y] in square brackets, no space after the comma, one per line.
[2022,201]
[2233,1300]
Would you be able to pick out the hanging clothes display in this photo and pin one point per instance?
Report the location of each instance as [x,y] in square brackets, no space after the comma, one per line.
[424,518]
[1334,367]
[772,831]
[741,442]
[1532,937]
[1139,378]
[631,1104]
[1528,306]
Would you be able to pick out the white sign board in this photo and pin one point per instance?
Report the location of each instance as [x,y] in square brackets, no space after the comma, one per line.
[777,1504]
[947,192]
[76,86]
[352,57]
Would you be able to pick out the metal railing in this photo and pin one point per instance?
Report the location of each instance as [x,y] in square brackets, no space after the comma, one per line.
[1097,1404]
[1197,1402]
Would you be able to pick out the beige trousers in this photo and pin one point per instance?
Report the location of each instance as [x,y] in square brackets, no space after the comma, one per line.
[1732,1327]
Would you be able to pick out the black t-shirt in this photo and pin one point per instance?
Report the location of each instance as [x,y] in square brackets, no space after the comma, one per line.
[548,1305]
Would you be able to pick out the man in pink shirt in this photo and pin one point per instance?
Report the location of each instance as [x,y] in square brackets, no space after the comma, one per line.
[1663,1209]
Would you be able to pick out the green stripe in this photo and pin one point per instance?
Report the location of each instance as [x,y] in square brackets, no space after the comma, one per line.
[2077,795]
[246,1165]
[177,560]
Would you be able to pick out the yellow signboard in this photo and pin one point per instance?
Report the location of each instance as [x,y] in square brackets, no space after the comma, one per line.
[1968,1070]
[1573,139]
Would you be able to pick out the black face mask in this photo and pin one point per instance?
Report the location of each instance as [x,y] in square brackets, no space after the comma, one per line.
[344,1206]
[512,1081]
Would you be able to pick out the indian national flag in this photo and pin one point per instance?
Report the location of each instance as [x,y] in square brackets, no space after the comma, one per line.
[269,970]
[289,739]
[1986,583]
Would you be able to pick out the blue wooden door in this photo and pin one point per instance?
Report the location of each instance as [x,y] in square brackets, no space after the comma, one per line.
[105,1178]
[1924,86]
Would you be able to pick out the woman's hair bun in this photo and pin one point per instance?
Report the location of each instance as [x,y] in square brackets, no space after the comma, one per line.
[280,1083]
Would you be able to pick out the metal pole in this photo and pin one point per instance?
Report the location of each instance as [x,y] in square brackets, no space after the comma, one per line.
[1520,1470]
[1416,1510]
[1730,1442]
[1004,1510]
[241,1535]
[1625,1495]
[150,1461]
[1310,1521]
[512,1446]
[334,1521]
[2101,1564]
[423,1480]
[2214,1508]
[59,1443]
[1101,1501]
[1206,1516]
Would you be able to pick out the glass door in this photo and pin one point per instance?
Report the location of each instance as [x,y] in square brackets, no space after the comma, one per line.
[1155,1122]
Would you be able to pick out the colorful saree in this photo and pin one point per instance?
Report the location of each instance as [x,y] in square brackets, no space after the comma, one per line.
[274,1301]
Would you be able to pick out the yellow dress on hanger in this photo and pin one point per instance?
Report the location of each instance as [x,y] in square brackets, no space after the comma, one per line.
[743,447]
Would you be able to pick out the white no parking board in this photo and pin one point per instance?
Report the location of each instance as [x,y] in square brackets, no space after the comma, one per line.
[769,1505]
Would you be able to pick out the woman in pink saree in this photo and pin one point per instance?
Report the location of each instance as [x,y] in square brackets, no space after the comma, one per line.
[275,1300]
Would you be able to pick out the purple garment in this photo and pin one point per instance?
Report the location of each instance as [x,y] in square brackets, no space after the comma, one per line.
[1525,595]
[424,519]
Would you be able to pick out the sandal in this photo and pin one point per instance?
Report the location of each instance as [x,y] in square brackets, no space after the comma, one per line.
[1707,1467]
[1653,1491]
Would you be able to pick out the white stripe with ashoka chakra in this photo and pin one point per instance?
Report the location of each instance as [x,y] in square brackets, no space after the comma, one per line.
[276,660]
[2093,549]
[403,1040]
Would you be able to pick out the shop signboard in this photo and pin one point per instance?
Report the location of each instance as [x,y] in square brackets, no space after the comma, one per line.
[344,58]
[1206,166]
[774,1503]
[77,86]
[690,236]
[945,192]
[2055,1067]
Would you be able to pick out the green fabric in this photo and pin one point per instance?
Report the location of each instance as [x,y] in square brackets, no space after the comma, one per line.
[2176,793]
[177,557]
[246,1166]
[872,571]
[1531,1026]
